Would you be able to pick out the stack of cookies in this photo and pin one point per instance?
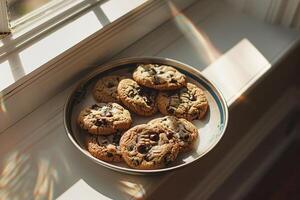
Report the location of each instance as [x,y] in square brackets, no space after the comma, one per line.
[154,145]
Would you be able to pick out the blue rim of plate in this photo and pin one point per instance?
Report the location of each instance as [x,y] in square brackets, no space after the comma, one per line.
[80,91]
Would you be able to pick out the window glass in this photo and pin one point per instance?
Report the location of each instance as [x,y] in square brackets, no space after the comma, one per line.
[20,8]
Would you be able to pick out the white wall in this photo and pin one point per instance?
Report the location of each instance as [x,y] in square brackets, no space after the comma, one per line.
[283,12]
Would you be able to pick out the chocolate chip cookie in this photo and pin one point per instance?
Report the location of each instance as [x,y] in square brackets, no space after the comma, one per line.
[160,77]
[146,147]
[104,118]
[188,102]
[105,90]
[136,98]
[183,131]
[104,147]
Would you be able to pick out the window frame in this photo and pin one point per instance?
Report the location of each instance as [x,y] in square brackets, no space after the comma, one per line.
[4,23]
[53,9]
[39,12]
[25,31]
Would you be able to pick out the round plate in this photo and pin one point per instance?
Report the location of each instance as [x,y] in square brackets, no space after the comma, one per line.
[211,128]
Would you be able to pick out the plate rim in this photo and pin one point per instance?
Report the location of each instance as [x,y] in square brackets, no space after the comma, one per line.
[128,60]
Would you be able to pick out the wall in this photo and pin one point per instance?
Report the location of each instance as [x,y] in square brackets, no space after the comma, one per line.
[282,12]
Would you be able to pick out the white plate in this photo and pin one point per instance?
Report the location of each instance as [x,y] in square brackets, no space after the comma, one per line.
[211,129]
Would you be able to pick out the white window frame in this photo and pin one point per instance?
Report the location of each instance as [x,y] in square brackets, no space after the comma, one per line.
[4,24]
[43,12]
[36,23]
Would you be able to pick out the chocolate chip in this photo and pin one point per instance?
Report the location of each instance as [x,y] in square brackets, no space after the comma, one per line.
[108,114]
[98,122]
[148,158]
[109,154]
[169,135]
[170,110]
[130,148]
[156,79]
[148,101]
[152,71]
[131,93]
[186,137]
[192,98]
[147,95]
[95,106]
[173,80]
[101,122]
[104,142]
[135,161]
[110,84]
[154,137]
[142,149]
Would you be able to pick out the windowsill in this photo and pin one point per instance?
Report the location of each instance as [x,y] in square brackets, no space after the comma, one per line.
[24,61]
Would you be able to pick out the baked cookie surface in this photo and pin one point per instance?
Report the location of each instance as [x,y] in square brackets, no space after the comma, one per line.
[136,98]
[160,77]
[104,118]
[183,131]
[188,102]
[105,148]
[146,147]
[105,90]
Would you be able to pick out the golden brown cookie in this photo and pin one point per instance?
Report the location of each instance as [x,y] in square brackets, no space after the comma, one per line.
[183,131]
[105,147]
[146,147]
[104,118]
[136,98]
[160,77]
[188,102]
[105,90]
